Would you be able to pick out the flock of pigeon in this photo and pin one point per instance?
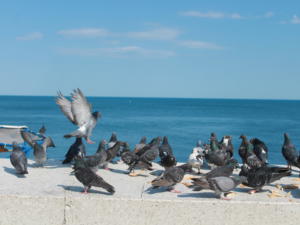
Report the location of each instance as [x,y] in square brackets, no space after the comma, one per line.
[255,171]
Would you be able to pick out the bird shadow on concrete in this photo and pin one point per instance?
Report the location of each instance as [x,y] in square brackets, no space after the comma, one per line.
[119,171]
[151,190]
[80,189]
[197,195]
[13,172]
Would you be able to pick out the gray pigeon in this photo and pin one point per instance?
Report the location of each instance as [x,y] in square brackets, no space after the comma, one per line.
[79,112]
[219,185]
[99,158]
[18,159]
[39,150]
[89,178]
[171,177]
[141,144]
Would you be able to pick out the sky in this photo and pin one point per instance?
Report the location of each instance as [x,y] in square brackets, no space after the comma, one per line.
[138,48]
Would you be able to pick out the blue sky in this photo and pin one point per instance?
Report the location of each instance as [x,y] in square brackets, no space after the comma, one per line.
[199,49]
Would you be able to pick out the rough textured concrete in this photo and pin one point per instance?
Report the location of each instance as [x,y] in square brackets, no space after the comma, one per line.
[51,195]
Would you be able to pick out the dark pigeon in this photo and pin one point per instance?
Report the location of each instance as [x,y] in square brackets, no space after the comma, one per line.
[18,159]
[77,149]
[79,112]
[243,149]
[171,177]
[89,178]
[260,149]
[165,148]
[227,141]
[251,159]
[39,150]
[257,178]
[290,153]
[215,155]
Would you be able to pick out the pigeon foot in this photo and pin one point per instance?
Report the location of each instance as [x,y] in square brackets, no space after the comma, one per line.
[175,191]
[252,192]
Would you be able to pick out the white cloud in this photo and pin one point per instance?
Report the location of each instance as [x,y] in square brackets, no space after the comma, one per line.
[84,32]
[211,15]
[200,45]
[269,14]
[295,20]
[117,52]
[30,36]
[156,34]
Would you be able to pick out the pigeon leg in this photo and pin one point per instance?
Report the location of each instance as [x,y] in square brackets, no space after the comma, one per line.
[106,168]
[199,170]
[88,140]
[173,190]
[223,197]
[252,191]
[85,190]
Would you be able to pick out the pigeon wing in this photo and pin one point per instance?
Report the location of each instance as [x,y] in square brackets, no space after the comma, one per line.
[224,184]
[27,138]
[65,106]
[80,108]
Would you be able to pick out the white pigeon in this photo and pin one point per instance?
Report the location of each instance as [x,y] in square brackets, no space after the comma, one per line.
[196,157]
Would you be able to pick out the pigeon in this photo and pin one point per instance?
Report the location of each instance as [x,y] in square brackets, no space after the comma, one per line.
[113,140]
[39,150]
[220,185]
[250,158]
[290,153]
[214,145]
[146,155]
[171,177]
[168,161]
[153,142]
[215,155]
[79,112]
[18,159]
[243,150]
[98,159]
[196,157]
[42,131]
[260,149]
[227,141]
[222,171]
[257,178]
[141,144]
[89,178]
[76,149]
[127,156]
[165,148]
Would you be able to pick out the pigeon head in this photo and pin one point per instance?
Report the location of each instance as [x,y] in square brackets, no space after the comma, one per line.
[243,137]
[96,114]
[165,140]
[199,143]
[143,140]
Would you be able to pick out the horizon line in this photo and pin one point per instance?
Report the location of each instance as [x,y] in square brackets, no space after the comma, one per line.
[148,97]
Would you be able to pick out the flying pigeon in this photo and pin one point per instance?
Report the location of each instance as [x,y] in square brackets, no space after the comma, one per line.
[79,112]
[39,150]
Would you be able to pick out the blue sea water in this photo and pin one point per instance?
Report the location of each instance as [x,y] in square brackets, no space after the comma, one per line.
[184,121]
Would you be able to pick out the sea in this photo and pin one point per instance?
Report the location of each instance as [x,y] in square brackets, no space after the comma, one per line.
[183,121]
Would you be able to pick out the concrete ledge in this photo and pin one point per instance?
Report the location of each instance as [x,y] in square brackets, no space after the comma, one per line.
[51,195]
